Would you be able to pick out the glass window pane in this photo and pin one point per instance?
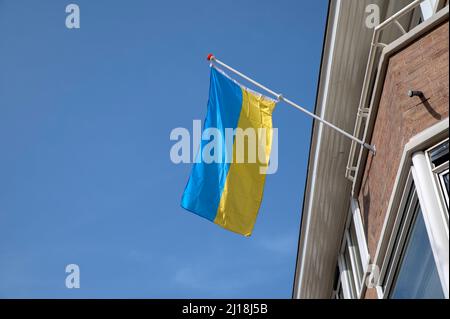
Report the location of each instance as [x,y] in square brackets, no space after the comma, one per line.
[356,253]
[445,179]
[348,268]
[417,274]
[440,154]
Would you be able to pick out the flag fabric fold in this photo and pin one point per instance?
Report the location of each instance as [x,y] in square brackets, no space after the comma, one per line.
[228,190]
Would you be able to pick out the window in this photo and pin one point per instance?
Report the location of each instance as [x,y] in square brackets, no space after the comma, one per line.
[443,181]
[416,274]
[352,241]
[414,240]
[439,161]
[354,258]
[351,274]
[411,269]
[338,291]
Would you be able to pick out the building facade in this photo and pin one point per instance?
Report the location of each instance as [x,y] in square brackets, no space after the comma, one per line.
[376,225]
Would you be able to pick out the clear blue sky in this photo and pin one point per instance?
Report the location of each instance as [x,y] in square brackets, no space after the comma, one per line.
[85,171]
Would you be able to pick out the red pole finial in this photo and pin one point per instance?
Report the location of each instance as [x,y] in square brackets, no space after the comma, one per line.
[210,56]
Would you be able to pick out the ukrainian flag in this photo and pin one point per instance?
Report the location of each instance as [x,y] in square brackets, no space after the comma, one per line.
[229,192]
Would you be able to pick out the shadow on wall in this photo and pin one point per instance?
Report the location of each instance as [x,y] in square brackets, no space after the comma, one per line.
[429,108]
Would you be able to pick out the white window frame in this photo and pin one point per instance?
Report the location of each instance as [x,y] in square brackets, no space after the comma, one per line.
[345,278]
[361,236]
[434,215]
[399,237]
[444,192]
[357,280]
[440,188]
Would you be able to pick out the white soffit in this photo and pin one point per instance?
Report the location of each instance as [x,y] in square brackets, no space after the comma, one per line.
[328,191]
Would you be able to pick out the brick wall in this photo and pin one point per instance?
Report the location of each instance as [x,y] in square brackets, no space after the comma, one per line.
[423,66]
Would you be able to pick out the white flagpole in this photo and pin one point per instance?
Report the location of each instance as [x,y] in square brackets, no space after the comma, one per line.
[280,98]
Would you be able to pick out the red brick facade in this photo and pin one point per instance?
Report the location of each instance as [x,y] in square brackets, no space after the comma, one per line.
[423,66]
